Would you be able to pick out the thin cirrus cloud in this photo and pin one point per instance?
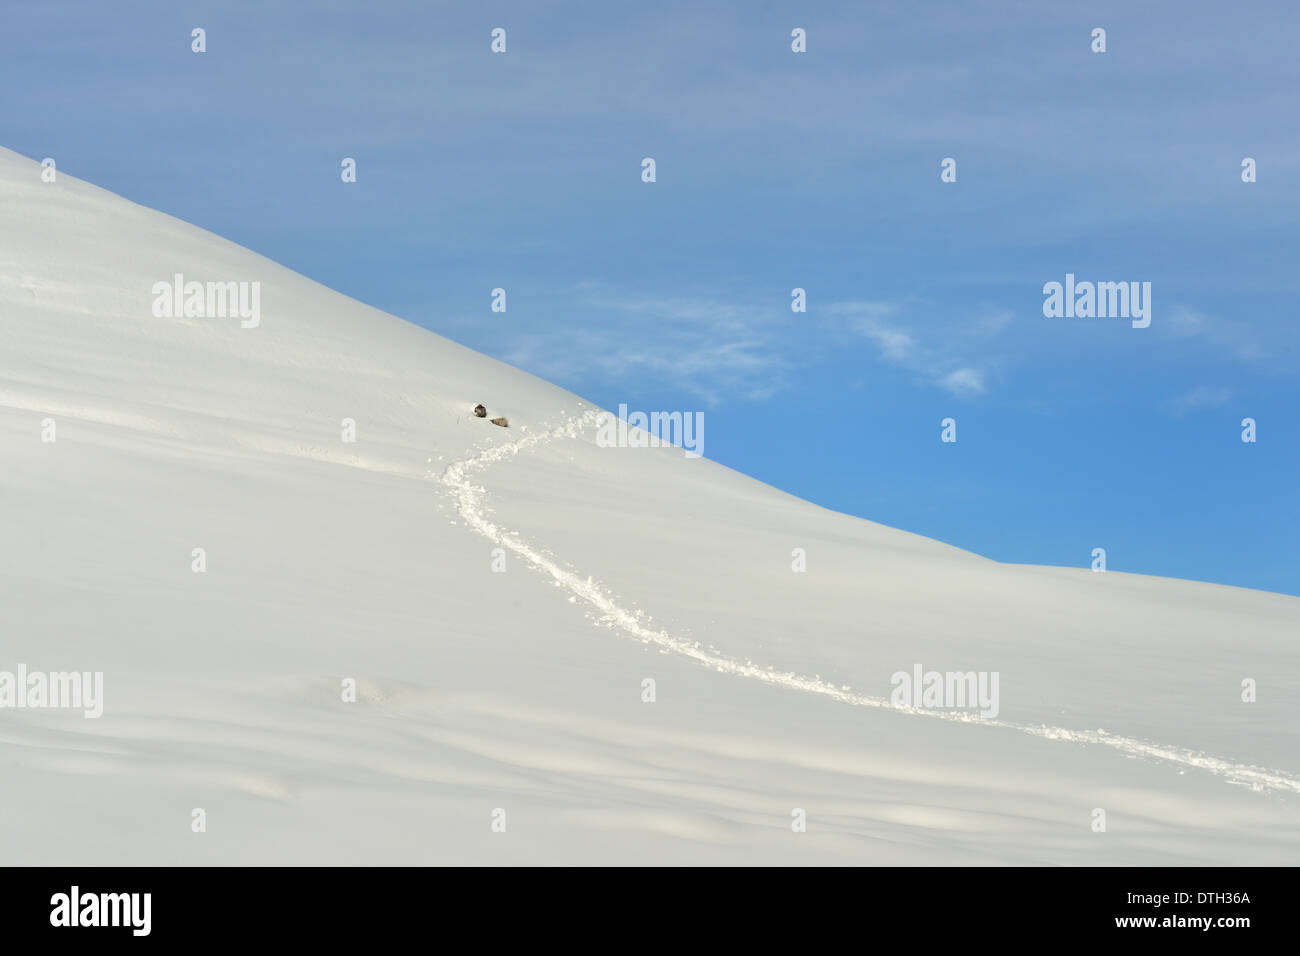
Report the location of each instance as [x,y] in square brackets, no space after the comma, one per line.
[1202,397]
[711,348]
[721,349]
[949,354]
[1245,341]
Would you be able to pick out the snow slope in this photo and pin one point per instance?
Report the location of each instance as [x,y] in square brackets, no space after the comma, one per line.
[522,690]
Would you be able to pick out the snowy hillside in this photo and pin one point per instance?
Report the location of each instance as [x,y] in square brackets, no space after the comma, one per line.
[480,690]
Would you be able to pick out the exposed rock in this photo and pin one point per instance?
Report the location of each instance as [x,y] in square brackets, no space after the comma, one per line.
[501,421]
[480,411]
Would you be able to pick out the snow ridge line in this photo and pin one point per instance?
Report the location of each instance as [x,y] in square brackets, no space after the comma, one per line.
[470,502]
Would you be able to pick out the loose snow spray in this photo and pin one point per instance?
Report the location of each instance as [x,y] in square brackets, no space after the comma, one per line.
[471,504]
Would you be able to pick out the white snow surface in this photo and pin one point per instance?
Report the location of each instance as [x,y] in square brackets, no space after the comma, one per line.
[522,691]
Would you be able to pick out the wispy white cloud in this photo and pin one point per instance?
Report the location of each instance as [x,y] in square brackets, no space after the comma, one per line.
[964,381]
[1202,396]
[1240,339]
[708,345]
[951,353]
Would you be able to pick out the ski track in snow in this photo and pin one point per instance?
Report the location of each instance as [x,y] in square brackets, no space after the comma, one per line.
[470,502]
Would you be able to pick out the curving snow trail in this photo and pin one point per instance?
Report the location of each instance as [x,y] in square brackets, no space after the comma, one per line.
[470,499]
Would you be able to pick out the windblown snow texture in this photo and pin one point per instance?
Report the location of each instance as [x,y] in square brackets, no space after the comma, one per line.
[523,690]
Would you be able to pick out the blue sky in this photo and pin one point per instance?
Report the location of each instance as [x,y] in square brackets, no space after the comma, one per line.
[778,170]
